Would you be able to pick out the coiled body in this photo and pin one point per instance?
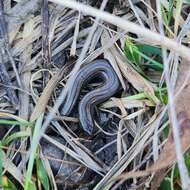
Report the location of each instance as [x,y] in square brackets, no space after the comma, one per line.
[110,83]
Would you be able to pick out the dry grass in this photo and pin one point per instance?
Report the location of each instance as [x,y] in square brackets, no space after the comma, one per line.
[33,74]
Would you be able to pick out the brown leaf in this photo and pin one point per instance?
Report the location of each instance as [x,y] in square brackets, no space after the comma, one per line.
[183,88]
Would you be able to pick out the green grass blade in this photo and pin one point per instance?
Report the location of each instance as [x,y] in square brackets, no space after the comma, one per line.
[42,174]
[16,135]
[12,122]
[152,62]
[34,145]
[135,55]
[148,49]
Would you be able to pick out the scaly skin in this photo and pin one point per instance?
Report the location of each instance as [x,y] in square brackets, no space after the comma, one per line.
[98,68]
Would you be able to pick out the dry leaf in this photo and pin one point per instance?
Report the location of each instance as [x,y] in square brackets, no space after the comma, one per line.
[111,57]
[127,103]
[44,98]
[183,88]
